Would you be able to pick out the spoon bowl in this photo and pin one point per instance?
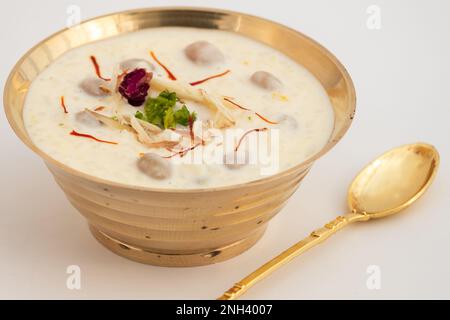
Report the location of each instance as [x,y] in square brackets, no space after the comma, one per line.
[393,181]
[386,186]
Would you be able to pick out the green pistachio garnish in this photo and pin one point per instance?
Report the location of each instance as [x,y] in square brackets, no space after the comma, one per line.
[161,111]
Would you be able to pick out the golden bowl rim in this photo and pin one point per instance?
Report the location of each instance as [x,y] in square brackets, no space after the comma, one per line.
[207,10]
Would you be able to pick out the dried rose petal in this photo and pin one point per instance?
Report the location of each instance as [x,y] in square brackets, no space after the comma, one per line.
[135,85]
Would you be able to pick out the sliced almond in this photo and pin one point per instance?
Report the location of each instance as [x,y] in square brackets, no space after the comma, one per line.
[109,121]
[152,141]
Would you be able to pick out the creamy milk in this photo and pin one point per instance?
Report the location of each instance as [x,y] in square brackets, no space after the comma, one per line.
[301,97]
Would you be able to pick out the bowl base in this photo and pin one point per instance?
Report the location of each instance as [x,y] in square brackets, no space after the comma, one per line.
[146,256]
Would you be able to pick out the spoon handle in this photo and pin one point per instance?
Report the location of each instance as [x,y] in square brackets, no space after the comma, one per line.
[316,237]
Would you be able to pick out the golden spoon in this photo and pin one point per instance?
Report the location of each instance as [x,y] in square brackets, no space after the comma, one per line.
[386,186]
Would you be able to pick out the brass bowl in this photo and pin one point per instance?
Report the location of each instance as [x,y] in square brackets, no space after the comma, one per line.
[177,227]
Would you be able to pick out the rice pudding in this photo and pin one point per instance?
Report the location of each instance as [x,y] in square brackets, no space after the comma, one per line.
[177,107]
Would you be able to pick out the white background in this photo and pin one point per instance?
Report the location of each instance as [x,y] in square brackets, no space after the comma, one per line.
[401,73]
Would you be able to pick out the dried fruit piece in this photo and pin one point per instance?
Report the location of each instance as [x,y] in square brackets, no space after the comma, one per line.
[266,80]
[87,119]
[203,53]
[155,166]
[135,85]
[95,87]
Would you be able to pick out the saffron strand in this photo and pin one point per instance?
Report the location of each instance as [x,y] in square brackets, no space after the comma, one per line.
[209,78]
[97,68]
[169,73]
[84,135]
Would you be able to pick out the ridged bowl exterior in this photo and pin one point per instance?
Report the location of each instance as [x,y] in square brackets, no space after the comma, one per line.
[180,227]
